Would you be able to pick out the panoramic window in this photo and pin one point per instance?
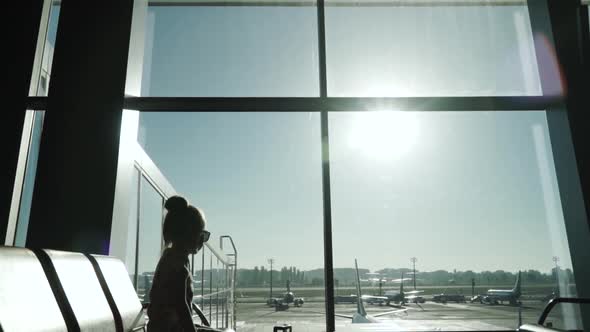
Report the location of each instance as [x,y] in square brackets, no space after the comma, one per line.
[446,220]
[456,219]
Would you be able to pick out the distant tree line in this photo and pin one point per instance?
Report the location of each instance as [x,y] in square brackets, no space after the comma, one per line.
[260,276]
[343,277]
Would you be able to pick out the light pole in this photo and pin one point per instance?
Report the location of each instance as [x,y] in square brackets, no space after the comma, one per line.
[414,259]
[271,261]
[555,260]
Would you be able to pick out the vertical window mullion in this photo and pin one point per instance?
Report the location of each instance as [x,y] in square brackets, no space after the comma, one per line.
[328,257]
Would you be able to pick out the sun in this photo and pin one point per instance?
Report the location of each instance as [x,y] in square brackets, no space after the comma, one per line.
[384,134]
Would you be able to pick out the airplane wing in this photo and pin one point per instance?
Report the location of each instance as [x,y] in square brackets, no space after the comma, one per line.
[389,312]
[343,316]
[414,292]
[372,297]
[399,306]
[335,314]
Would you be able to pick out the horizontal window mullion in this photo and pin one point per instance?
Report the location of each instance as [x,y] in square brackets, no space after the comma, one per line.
[336,3]
[338,104]
[330,104]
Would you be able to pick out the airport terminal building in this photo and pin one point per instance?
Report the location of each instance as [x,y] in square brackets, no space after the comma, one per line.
[416,165]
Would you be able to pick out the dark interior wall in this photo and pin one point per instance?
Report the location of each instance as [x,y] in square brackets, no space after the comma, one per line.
[569,22]
[77,166]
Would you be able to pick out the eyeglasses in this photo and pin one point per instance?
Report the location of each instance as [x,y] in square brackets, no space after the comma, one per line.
[205,235]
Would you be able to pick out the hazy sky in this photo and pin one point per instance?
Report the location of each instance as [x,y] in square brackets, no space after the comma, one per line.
[457,190]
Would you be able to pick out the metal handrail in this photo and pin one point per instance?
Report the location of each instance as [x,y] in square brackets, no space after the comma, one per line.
[216,292]
[211,294]
[553,302]
[217,254]
[149,171]
[235,265]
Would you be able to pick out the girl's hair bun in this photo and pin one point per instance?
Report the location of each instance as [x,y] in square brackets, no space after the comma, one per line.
[176,203]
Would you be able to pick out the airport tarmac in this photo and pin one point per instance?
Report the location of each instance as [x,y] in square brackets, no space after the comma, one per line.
[257,317]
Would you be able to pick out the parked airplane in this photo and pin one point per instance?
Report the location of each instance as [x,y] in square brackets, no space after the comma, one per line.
[361,316]
[380,279]
[397,297]
[287,298]
[495,296]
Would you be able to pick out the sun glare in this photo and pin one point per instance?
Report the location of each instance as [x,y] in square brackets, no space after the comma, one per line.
[384,134]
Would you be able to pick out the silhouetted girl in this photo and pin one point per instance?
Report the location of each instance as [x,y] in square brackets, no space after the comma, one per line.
[172,289]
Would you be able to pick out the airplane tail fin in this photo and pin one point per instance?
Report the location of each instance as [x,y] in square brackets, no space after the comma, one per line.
[517,285]
[289,286]
[360,308]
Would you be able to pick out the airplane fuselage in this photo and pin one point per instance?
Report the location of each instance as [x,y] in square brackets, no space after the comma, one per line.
[288,297]
[396,297]
[494,296]
[497,292]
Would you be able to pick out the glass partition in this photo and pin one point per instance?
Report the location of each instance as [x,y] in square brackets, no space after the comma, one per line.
[45,47]
[132,228]
[33,143]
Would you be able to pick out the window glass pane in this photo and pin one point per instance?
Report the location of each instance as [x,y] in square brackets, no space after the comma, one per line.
[217,49]
[209,290]
[49,34]
[150,236]
[397,48]
[206,285]
[565,317]
[257,177]
[470,198]
[197,261]
[219,299]
[26,198]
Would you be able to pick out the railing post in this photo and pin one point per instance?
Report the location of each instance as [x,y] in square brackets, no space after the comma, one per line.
[235,267]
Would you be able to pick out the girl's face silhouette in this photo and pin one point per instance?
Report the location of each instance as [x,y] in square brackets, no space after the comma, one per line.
[198,238]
